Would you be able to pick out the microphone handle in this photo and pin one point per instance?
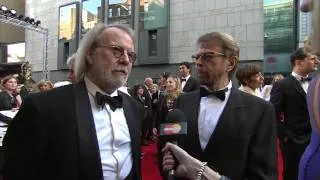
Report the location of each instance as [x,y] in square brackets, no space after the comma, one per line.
[171,173]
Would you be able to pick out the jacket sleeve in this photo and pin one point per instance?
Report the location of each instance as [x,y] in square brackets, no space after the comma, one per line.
[262,150]
[24,144]
[277,99]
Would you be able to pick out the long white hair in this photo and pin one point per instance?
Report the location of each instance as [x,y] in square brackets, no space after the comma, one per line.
[89,41]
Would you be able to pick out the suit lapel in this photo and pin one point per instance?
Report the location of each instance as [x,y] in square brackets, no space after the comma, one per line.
[89,155]
[188,84]
[297,85]
[133,130]
[227,123]
[192,141]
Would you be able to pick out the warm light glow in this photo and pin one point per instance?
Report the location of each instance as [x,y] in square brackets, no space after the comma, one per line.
[16,52]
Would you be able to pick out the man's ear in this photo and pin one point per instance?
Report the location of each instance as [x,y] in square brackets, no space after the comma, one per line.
[232,63]
[89,57]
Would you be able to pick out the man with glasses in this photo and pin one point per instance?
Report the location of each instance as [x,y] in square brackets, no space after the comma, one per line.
[87,130]
[289,99]
[234,132]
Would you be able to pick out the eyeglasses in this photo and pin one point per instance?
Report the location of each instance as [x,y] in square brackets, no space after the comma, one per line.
[207,56]
[118,52]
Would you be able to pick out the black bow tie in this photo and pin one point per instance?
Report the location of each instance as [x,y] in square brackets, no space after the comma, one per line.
[183,80]
[114,102]
[221,94]
[307,79]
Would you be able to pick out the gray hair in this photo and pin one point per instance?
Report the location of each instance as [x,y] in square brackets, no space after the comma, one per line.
[229,46]
[71,61]
[89,41]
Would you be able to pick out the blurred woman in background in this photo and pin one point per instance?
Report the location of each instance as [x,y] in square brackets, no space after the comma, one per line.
[250,78]
[163,81]
[9,98]
[310,160]
[45,85]
[137,94]
[171,93]
[267,88]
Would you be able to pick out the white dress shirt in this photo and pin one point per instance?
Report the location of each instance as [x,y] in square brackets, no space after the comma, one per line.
[113,136]
[211,109]
[304,84]
[183,83]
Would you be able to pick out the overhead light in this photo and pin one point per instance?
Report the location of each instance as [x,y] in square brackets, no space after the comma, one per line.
[13,12]
[3,8]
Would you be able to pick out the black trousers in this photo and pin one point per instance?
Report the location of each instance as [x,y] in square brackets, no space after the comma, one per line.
[292,153]
[147,125]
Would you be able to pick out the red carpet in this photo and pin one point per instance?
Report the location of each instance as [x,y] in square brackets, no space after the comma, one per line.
[150,170]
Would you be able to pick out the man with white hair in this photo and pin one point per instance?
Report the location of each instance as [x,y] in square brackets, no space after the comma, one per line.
[87,130]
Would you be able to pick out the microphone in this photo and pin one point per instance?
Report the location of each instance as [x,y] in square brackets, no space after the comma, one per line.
[174,128]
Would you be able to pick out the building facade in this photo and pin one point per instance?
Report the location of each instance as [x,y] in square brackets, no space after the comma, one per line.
[167,30]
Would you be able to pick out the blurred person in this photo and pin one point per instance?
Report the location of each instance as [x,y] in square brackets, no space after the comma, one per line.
[71,74]
[186,165]
[251,79]
[156,95]
[148,120]
[125,89]
[9,98]
[219,113]
[44,85]
[137,94]
[163,81]
[289,99]
[314,7]
[148,82]
[188,83]
[67,133]
[266,90]
[71,62]
[310,160]
[170,95]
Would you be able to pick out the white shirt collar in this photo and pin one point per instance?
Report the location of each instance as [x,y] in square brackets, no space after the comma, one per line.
[297,76]
[186,77]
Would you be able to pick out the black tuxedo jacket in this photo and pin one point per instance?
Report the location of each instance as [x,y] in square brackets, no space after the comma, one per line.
[243,144]
[289,98]
[53,137]
[147,96]
[192,84]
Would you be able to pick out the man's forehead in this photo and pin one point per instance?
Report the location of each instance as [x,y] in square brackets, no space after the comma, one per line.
[212,47]
[112,34]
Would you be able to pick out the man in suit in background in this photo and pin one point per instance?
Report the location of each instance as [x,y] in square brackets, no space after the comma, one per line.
[233,131]
[147,124]
[289,99]
[87,130]
[188,83]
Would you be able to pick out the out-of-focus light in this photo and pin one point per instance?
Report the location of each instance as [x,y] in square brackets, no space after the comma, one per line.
[13,12]
[3,8]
